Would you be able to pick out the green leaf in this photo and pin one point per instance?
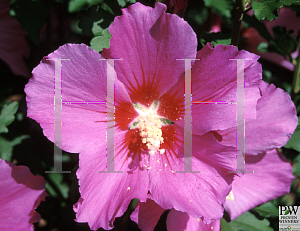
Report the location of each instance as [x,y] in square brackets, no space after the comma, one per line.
[165,121]
[287,212]
[288,199]
[245,5]
[222,7]
[267,209]
[55,185]
[286,43]
[7,116]
[263,47]
[266,9]
[6,146]
[155,104]
[94,20]
[294,142]
[137,106]
[123,3]
[290,2]
[32,15]
[283,43]
[112,6]
[132,204]
[247,221]
[133,125]
[77,5]
[215,38]
[225,226]
[102,41]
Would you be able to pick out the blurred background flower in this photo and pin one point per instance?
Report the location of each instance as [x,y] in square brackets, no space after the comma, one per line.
[13,45]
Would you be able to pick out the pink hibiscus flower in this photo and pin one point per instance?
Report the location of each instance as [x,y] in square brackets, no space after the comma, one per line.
[147,215]
[271,178]
[21,193]
[149,151]
[272,174]
[13,45]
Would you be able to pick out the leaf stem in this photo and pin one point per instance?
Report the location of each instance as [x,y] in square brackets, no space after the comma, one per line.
[237,21]
[296,75]
[54,187]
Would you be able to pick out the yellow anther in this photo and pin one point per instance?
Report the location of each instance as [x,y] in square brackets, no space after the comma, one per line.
[150,140]
[156,143]
[149,125]
[152,153]
[150,133]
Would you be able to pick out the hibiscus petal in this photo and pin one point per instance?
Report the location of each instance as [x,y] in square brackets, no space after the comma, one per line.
[214,78]
[83,79]
[13,44]
[147,214]
[179,221]
[276,121]
[149,41]
[21,193]
[272,177]
[107,195]
[199,194]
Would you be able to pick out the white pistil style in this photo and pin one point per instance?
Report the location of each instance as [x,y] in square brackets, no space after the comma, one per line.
[230,196]
[149,124]
[150,131]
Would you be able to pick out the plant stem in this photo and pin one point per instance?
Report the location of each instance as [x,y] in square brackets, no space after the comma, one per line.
[296,75]
[237,20]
